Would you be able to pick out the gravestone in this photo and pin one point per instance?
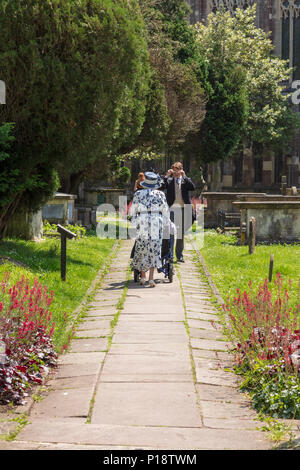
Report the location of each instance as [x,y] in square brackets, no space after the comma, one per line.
[26,225]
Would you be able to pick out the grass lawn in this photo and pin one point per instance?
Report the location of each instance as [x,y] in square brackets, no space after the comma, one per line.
[85,257]
[232,266]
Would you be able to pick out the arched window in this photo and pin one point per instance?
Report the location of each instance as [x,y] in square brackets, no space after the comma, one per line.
[290,40]
[230,5]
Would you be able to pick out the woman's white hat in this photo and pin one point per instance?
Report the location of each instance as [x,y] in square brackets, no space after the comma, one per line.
[151,181]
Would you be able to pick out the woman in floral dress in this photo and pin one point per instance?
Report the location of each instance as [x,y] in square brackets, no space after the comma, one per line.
[150,212]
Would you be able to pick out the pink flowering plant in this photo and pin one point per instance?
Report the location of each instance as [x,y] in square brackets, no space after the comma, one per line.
[265,328]
[26,330]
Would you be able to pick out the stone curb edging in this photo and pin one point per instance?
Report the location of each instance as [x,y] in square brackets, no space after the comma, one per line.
[208,274]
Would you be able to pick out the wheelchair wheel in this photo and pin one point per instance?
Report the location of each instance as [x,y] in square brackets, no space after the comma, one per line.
[136,275]
[170,273]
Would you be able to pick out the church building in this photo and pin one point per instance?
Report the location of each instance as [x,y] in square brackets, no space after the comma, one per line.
[251,170]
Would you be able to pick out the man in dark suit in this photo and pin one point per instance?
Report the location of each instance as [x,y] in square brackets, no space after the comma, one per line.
[177,186]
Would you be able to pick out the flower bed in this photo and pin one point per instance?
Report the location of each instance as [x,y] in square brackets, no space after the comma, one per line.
[26,331]
[266,331]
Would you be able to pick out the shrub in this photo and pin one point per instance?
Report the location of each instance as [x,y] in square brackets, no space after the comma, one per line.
[266,332]
[26,330]
[51,229]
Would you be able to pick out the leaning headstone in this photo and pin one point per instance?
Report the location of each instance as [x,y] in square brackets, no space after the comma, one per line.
[252,235]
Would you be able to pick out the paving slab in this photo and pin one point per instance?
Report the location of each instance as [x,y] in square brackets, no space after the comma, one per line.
[224,357]
[220,393]
[145,368]
[77,370]
[153,317]
[151,327]
[154,437]
[151,404]
[64,403]
[152,349]
[82,358]
[198,298]
[204,325]
[202,333]
[88,345]
[81,381]
[203,316]
[103,305]
[94,324]
[202,309]
[105,314]
[209,344]
[218,410]
[234,423]
[132,338]
[5,445]
[81,334]
[215,377]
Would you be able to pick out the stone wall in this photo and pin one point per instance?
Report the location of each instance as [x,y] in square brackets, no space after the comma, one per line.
[224,201]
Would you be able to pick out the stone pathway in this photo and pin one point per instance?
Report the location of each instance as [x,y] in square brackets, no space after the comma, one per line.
[156,383]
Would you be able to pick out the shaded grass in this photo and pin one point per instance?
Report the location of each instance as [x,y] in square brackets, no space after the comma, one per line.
[85,257]
[232,267]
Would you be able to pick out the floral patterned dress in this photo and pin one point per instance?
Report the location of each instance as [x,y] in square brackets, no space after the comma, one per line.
[150,213]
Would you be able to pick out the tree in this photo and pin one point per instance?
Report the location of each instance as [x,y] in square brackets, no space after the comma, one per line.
[236,40]
[77,75]
[226,113]
[176,104]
